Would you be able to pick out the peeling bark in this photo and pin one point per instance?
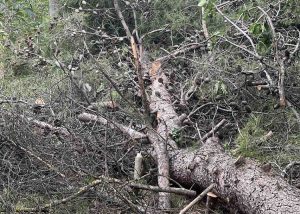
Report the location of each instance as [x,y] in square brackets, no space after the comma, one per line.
[246,186]
[168,121]
[161,103]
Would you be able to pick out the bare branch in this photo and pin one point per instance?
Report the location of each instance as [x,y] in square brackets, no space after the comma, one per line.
[238,28]
[86,117]
[178,191]
[196,200]
[121,17]
[213,130]
[51,167]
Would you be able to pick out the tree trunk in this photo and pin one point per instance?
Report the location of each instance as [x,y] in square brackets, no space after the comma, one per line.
[243,184]
[53,8]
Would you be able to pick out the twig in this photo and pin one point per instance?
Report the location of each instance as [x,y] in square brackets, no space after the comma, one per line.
[295,50]
[197,109]
[120,15]
[179,191]
[154,31]
[206,34]
[213,130]
[112,82]
[245,49]
[189,47]
[137,53]
[54,203]
[281,74]
[237,27]
[51,167]
[196,200]
[13,101]
[289,104]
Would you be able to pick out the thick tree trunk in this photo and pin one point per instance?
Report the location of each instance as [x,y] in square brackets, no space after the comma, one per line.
[242,183]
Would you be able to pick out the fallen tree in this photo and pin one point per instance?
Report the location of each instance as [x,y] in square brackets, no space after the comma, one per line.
[243,184]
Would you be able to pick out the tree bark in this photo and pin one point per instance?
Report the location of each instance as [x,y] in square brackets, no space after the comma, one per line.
[53,8]
[245,187]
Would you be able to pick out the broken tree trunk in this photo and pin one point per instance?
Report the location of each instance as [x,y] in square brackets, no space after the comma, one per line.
[245,187]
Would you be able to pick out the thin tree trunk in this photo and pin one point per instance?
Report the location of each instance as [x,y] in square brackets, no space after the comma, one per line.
[53,8]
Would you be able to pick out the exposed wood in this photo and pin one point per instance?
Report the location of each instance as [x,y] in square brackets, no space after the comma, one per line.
[53,8]
[137,52]
[161,104]
[137,55]
[246,187]
[138,166]
[168,121]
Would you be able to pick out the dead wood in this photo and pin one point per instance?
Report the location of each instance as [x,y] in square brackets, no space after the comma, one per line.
[31,153]
[167,118]
[178,191]
[213,130]
[86,117]
[245,187]
[63,132]
[197,199]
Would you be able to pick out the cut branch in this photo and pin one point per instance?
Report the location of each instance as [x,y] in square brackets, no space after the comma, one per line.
[86,117]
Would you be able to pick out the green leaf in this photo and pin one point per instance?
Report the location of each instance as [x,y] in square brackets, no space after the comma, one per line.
[256,28]
[216,88]
[217,33]
[202,3]
[223,88]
